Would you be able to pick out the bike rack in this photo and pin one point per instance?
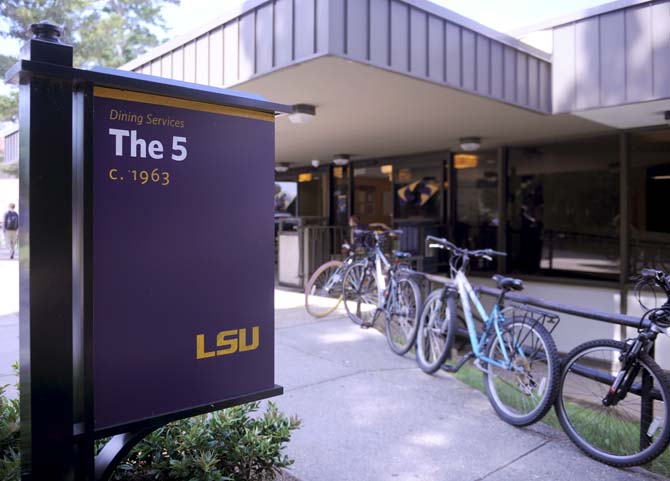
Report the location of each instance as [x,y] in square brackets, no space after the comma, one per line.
[647,393]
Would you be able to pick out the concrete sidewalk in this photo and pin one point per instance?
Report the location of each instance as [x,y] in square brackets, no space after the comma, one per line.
[369,414]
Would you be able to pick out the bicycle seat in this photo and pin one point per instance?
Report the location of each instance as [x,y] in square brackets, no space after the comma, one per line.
[508,283]
[401,254]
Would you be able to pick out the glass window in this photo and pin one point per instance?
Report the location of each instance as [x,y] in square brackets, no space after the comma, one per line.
[650,186]
[373,202]
[564,209]
[476,201]
[285,197]
[312,194]
[416,188]
[340,200]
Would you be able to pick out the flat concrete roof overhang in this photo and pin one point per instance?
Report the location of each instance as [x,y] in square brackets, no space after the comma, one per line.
[371,112]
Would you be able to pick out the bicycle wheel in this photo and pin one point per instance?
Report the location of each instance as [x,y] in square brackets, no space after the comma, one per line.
[522,393]
[402,316]
[613,434]
[359,293]
[323,292]
[437,329]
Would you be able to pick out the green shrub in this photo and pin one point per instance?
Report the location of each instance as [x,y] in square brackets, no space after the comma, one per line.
[9,435]
[228,445]
[234,444]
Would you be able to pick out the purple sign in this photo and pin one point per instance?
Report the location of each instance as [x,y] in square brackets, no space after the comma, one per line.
[182,255]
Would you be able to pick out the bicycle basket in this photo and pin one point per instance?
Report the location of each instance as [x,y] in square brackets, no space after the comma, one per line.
[533,316]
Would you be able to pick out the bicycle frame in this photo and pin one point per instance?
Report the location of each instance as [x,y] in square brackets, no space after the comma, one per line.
[467,295]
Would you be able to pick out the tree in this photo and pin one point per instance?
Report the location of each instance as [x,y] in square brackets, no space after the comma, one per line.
[103,32]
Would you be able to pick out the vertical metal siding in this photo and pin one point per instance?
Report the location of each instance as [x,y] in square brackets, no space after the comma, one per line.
[454,52]
[304,28]
[611,59]
[216,57]
[230,53]
[399,36]
[189,62]
[533,83]
[379,31]
[522,78]
[468,59]
[247,53]
[661,48]
[392,34]
[283,25]
[483,59]
[639,71]
[156,68]
[357,27]
[178,64]
[12,147]
[264,40]
[545,86]
[337,26]
[166,66]
[509,76]
[436,49]
[587,63]
[563,68]
[202,60]
[322,18]
[497,70]
[418,42]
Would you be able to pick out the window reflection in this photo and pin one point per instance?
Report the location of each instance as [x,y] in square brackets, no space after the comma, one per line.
[312,191]
[650,186]
[476,197]
[285,197]
[372,195]
[564,209]
[340,198]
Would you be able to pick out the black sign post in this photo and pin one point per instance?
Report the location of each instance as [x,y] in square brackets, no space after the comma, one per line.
[45,317]
[118,335]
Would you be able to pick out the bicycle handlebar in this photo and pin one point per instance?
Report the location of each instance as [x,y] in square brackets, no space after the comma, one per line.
[379,232]
[657,277]
[443,243]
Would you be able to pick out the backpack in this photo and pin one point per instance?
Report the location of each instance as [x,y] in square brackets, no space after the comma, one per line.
[12,221]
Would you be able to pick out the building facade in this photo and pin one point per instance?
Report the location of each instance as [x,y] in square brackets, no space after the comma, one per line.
[426,120]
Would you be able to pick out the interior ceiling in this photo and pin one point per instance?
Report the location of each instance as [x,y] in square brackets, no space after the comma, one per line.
[369,112]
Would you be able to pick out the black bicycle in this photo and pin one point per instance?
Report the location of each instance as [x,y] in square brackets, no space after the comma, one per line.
[613,397]
[376,285]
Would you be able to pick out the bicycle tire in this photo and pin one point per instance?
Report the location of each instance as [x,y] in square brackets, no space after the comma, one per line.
[600,443]
[402,327]
[359,292]
[316,303]
[434,341]
[522,398]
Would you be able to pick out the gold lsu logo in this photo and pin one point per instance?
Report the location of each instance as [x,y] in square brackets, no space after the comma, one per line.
[228,342]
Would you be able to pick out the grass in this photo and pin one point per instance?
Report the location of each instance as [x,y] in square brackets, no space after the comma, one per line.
[473,377]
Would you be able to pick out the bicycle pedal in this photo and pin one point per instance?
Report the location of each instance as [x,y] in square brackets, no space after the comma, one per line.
[478,364]
[366,325]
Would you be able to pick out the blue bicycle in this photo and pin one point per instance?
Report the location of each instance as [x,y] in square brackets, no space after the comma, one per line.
[515,352]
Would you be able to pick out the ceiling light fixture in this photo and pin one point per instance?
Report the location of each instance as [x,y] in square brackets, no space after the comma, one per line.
[470,144]
[341,159]
[315,163]
[302,113]
[282,167]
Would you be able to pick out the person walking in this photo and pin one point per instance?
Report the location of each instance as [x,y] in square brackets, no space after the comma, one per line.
[10,227]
